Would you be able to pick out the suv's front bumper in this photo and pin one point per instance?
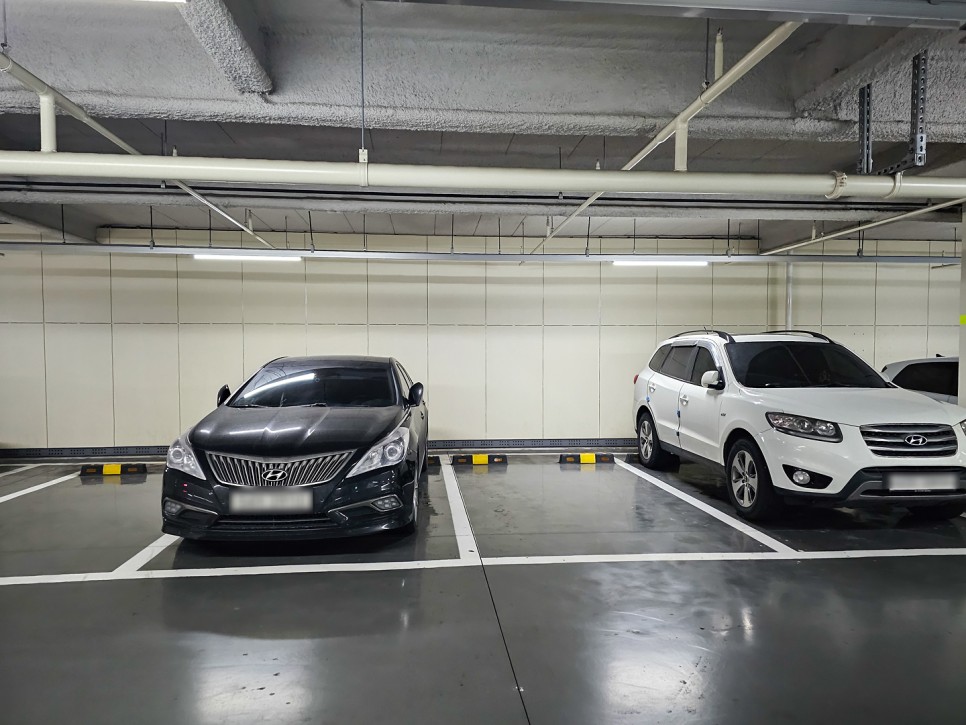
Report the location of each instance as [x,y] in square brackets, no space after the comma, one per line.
[857,475]
[338,508]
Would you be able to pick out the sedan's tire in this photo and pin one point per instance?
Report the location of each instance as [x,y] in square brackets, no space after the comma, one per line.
[649,445]
[411,527]
[939,512]
[749,483]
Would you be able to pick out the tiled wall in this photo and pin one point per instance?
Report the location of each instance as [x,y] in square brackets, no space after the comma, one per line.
[122,350]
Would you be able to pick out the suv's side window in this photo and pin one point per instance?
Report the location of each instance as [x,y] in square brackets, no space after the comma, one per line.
[677,362]
[658,360]
[940,378]
[703,363]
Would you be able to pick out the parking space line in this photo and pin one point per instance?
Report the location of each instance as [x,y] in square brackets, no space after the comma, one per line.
[147,553]
[38,487]
[465,539]
[724,518]
[18,470]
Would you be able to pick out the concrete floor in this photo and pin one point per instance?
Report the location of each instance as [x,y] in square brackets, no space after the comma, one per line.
[532,593]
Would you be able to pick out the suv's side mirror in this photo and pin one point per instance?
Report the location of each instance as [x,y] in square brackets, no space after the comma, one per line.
[712,380]
[415,394]
[223,394]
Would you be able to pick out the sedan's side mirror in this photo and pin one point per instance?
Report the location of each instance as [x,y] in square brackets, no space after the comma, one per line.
[223,394]
[415,394]
[712,380]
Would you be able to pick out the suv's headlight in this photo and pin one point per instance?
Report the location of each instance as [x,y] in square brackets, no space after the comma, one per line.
[799,425]
[183,458]
[387,452]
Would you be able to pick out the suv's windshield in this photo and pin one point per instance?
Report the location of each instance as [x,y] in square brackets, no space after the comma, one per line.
[281,386]
[799,365]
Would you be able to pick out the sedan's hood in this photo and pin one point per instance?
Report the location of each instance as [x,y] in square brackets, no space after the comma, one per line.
[858,406]
[293,431]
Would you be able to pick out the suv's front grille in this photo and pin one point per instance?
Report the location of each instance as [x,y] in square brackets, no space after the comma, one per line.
[240,471]
[910,440]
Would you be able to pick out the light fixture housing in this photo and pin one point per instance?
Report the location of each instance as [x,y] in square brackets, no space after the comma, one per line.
[661,263]
[240,257]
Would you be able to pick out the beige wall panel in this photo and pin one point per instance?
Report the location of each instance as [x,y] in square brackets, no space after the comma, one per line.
[457,371]
[944,287]
[943,340]
[571,292]
[806,296]
[77,288]
[740,295]
[274,292]
[210,356]
[21,288]
[624,352]
[408,344]
[336,292]
[147,400]
[457,290]
[23,386]
[267,342]
[144,288]
[684,296]
[209,291]
[337,340]
[895,343]
[848,294]
[571,369]
[860,339]
[514,382]
[80,388]
[628,295]
[398,293]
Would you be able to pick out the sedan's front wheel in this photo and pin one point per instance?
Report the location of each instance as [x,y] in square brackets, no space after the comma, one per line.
[749,483]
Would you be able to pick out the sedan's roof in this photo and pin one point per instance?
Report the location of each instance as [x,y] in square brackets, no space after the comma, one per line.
[328,361]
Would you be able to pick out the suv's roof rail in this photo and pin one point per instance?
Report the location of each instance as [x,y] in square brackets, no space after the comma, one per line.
[719,333]
[819,335]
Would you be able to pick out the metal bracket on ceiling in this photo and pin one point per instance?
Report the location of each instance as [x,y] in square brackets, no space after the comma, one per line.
[916,153]
[865,130]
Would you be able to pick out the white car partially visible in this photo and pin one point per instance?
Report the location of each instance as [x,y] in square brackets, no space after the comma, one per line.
[937,377]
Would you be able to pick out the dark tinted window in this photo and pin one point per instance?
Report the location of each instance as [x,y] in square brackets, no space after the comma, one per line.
[658,360]
[941,378]
[799,365]
[281,386]
[703,362]
[676,364]
[407,381]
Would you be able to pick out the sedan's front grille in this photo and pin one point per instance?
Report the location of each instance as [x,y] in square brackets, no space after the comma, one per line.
[239,471]
[910,440]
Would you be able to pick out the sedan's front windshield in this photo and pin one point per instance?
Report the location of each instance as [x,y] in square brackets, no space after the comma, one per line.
[282,386]
[799,365]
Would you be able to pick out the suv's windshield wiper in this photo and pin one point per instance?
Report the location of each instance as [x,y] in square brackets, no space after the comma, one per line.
[315,405]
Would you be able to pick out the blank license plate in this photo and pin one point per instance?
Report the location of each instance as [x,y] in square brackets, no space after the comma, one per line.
[270,502]
[922,481]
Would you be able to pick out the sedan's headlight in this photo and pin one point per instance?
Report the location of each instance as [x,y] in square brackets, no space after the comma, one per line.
[962,424]
[799,425]
[387,452]
[183,458]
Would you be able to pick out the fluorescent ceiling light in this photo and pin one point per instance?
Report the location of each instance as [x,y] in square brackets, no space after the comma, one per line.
[239,257]
[661,263]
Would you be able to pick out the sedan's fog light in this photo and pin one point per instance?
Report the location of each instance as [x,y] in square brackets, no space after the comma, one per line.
[172,508]
[801,478]
[386,503]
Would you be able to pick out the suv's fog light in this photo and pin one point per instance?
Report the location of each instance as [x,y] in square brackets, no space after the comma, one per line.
[801,478]
[386,503]
[172,508]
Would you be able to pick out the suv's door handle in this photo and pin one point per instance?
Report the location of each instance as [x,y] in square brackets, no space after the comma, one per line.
[684,399]
[651,388]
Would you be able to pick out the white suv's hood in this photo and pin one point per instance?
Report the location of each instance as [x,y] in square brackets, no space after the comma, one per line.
[857,406]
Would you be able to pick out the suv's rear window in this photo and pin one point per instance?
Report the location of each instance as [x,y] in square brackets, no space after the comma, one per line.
[658,360]
[676,364]
[799,365]
[282,386]
[939,378]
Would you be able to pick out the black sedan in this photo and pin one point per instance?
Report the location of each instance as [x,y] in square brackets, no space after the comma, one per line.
[309,447]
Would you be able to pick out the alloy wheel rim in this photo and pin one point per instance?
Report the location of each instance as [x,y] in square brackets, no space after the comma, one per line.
[744,479]
[646,439]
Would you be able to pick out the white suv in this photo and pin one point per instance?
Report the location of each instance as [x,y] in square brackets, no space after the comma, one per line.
[793,415]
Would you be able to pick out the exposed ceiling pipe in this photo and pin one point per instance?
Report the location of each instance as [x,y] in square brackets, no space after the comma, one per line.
[679,124]
[401,176]
[863,227]
[329,254]
[51,98]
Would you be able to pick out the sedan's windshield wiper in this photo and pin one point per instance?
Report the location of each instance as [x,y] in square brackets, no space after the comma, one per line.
[250,405]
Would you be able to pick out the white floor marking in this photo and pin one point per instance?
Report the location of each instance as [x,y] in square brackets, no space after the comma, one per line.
[18,470]
[465,540]
[148,553]
[724,518]
[38,487]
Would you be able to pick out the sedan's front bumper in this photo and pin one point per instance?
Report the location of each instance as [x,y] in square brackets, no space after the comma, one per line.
[338,509]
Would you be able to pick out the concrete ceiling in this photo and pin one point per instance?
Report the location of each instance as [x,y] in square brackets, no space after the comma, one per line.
[460,84]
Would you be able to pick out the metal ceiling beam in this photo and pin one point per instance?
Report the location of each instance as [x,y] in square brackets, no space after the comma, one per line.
[901,13]
[44,230]
[222,34]
[307,254]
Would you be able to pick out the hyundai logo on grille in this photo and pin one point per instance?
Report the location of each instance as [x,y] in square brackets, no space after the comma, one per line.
[916,440]
[274,475]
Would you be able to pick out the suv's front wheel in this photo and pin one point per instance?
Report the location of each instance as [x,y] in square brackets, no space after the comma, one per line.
[649,445]
[749,483]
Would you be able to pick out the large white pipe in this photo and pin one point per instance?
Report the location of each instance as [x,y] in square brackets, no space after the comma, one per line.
[48,123]
[350,173]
